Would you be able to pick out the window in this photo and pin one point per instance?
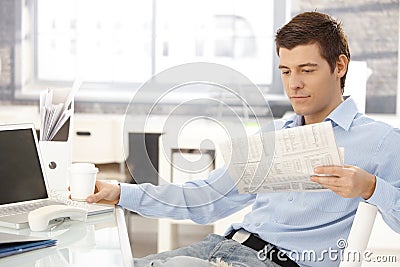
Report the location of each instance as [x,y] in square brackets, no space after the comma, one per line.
[102,40]
[117,44]
[232,33]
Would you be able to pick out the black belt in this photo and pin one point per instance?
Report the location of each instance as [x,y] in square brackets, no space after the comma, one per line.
[266,250]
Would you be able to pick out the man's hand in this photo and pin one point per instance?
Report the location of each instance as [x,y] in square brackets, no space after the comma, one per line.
[105,193]
[346,181]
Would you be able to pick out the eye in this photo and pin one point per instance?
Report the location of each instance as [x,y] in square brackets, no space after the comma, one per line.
[285,72]
[307,70]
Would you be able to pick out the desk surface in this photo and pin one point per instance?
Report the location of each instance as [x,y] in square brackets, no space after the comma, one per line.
[101,241]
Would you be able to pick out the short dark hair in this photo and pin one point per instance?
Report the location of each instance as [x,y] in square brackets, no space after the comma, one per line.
[314,27]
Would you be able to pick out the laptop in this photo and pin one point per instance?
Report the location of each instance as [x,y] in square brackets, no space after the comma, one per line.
[23,183]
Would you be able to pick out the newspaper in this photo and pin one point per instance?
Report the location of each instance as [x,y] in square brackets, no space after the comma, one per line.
[283,160]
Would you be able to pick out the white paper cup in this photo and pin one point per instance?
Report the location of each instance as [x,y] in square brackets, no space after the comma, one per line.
[82,180]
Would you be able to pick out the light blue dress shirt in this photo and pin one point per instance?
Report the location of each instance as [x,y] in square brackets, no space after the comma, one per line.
[306,225]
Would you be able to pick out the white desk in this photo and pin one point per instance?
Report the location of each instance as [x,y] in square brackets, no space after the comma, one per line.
[101,241]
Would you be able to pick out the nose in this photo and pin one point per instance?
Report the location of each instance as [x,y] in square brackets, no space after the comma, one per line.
[295,82]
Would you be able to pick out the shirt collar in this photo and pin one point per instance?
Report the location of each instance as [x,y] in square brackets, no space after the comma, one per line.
[294,121]
[342,116]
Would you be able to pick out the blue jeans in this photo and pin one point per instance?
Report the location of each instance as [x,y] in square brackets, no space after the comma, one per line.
[200,254]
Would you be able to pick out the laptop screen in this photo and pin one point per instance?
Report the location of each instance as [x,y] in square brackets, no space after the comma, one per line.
[21,176]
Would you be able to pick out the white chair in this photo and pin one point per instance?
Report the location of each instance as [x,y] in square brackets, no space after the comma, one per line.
[371,242]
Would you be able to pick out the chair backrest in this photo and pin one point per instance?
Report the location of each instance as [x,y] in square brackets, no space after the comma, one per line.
[359,235]
[371,241]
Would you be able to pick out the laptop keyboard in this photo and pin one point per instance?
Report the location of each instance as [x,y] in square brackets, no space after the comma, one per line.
[23,208]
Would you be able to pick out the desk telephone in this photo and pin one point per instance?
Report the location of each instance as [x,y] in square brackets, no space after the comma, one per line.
[39,219]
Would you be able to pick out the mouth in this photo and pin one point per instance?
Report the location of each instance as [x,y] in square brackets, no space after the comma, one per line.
[299,97]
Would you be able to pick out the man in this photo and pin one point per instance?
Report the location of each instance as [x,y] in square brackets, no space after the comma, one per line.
[314,57]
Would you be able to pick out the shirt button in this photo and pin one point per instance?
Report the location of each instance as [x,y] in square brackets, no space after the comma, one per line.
[290,198]
[257,224]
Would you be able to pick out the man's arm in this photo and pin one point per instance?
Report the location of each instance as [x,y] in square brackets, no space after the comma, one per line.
[202,201]
[382,188]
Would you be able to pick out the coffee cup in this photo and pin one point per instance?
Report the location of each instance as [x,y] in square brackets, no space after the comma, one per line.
[82,180]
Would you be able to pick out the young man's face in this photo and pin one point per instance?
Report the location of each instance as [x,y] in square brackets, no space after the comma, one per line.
[313,90]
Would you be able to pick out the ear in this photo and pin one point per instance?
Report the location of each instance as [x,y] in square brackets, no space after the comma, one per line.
[341,66]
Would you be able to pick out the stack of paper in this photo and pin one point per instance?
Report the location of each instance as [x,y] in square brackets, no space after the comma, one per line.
[53,114]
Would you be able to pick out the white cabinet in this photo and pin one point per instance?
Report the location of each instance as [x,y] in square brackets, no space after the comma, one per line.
[99,138]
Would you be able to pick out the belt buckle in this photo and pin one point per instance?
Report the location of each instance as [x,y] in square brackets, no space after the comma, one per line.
[241,236]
